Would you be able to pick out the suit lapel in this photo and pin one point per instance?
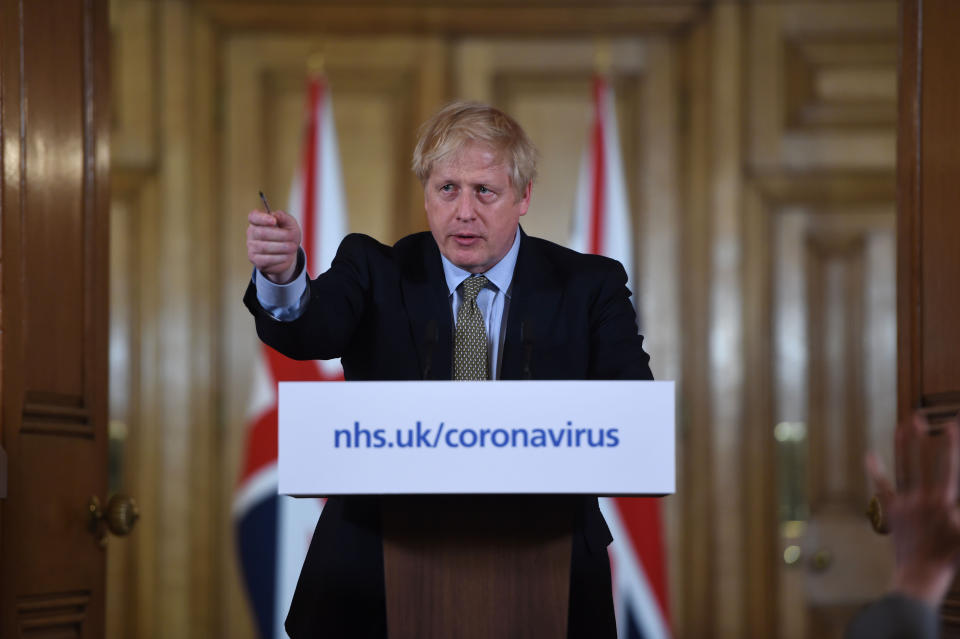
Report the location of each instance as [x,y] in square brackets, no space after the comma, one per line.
[426,300]
[534,299]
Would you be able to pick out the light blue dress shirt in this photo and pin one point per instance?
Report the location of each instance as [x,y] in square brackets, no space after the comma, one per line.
[286,302]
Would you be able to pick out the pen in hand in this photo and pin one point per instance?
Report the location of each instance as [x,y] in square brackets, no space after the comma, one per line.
[263,198]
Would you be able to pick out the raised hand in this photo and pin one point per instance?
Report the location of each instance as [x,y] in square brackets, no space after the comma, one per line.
[922,511]
[272,243]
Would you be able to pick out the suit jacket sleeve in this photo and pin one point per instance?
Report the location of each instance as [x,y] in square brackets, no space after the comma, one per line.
[895,617]
[337,301]
[616,349]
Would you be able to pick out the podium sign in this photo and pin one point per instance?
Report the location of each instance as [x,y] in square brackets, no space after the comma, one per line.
[497,437]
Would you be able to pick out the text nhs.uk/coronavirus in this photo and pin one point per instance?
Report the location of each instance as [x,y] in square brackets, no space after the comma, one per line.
[567,436]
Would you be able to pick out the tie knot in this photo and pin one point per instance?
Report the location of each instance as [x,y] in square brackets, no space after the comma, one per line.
[472,287]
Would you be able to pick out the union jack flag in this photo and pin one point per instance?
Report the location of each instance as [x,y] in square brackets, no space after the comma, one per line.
[601,225]
[273,531]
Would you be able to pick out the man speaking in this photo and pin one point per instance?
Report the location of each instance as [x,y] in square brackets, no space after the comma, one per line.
[474,299]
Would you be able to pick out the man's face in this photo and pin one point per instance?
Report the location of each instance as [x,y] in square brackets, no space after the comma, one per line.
[472,209]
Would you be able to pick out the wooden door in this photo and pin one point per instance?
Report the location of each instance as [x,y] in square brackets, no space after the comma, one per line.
[928,223]
[53,308]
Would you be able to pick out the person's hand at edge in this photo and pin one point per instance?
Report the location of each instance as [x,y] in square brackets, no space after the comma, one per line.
[272,243]
[922,512]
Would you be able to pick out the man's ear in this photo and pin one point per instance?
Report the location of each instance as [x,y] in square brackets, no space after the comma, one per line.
[525,200]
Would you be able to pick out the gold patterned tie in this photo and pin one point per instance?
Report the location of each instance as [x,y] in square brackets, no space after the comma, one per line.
[470,336]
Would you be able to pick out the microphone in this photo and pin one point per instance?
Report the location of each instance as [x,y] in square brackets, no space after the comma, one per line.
[526,338]
[431,337]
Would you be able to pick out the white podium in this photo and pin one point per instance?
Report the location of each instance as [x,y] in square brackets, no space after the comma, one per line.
[481,486]
[529,437]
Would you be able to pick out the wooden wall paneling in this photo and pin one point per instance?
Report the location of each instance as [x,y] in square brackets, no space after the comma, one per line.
[530,18]
[835,291]
[794,352]
[135,142]
[821,90]
[209,521]
[695,435]
[725,361]
[174,318]
[123,393]
[166,175]
[763,609]
[657,236]
[765,87]
[54,303]
[835,80]
[134,134]
[144,451]
[880,336]
[849,48]
[434,89]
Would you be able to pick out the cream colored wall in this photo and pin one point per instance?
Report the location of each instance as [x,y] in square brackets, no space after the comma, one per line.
[730,117]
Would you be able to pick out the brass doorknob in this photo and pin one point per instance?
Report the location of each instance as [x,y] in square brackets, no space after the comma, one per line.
[119,517]
[821,560]
[878,518]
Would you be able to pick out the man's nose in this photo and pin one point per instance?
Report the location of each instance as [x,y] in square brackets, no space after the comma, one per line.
[465,209]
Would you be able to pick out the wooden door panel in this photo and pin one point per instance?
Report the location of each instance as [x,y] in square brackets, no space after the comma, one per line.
[940,192]
[928,225]
[54,311]
[52,231]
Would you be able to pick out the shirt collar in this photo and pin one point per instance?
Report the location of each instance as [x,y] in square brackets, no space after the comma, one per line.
[500,274]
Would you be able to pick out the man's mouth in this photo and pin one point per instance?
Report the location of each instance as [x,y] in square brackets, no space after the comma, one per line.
[465,239]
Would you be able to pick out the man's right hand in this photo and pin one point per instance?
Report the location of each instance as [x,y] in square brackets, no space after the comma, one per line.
[272,243]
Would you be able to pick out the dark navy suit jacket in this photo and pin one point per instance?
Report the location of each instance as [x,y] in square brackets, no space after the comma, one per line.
[385,311]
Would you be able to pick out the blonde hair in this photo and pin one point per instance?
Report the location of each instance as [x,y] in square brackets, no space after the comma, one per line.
[460,123]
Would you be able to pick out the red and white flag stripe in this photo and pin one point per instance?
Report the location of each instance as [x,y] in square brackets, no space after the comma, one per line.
[601,225]
[318,203]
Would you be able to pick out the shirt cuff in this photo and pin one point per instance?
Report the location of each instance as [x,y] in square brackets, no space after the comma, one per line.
[283,301]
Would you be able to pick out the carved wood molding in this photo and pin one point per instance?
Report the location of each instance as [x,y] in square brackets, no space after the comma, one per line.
[55,414]
[64,612]
[819,91]
[822,187]
[474,18]
[847,251]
